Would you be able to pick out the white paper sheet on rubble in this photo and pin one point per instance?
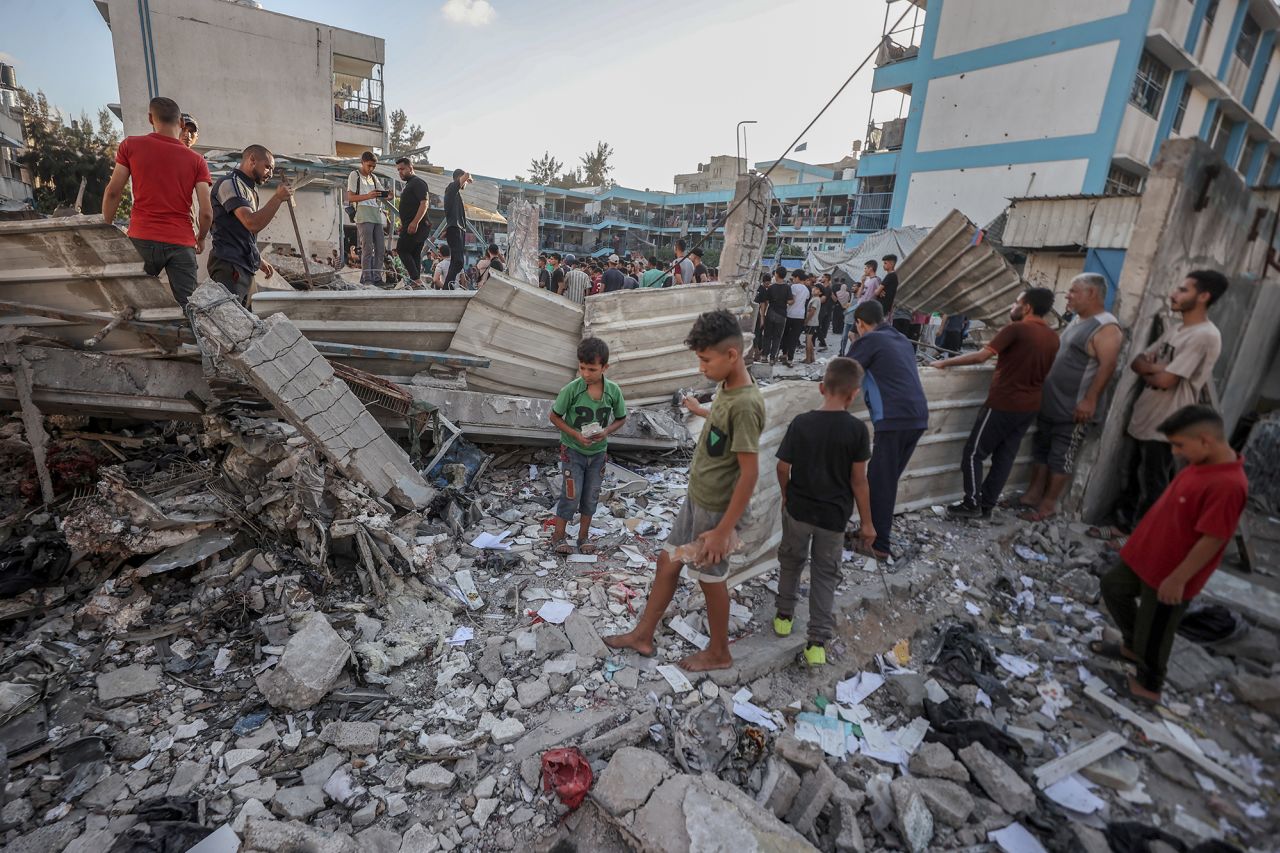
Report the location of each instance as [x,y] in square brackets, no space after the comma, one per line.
[738,611]
[960,585]
[1019,666]
[1074,794]
[634,557]
[1015,838]
[893,755]
[533,472]
[754,714]
[743,695]
[555,612]
[679,683]
[911,735]
[582,558]
[827,732]
[974,610]
[467,586]
[935,691]
[1055,699]
[854,690]
[982,698]
[876,737]
[854,713]
[688,632]
[487,540]
[460,636]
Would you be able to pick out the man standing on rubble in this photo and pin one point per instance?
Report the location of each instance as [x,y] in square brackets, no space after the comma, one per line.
[1177,371]
[899,412]
[1072,399]
[164,173]
[363,191]
[414,226]
[455,224]
[237,219]
[1024,350]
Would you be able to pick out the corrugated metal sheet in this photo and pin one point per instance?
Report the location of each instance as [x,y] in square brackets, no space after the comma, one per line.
[1096,222]
[530,336]
[951,273]
[82,264]
[932,477]
[645,330]
[420,320]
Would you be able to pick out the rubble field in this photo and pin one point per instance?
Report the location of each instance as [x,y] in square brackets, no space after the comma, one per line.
[218,641]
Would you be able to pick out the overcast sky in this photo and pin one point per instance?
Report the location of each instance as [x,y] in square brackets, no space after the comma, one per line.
[496,82]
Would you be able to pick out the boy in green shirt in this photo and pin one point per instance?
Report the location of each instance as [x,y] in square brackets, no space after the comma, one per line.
[587,411]
[722,477]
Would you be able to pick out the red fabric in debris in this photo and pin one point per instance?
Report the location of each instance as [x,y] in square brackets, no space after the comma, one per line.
[568,772]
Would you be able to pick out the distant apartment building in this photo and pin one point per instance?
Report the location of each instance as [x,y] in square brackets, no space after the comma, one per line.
[1006,98]
[15,182]
[252,76]
[719,173]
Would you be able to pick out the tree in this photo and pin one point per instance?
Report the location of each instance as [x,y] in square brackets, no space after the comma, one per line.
[568,180]
[595,165]
[405,137]
[544,170]
[59,155]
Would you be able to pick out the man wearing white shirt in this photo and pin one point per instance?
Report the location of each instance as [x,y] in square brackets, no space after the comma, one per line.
[795,316]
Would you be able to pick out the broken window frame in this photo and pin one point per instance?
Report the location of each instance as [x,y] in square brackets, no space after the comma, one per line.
[1149,84]
[1122,182]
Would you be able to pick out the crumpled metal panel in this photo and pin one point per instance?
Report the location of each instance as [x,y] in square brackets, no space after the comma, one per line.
[83,264]
[645,330]
[1095,222]
[954,271]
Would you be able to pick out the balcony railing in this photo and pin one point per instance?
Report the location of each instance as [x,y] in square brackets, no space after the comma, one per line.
[886,136]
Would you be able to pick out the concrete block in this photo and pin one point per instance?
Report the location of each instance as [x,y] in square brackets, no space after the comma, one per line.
[781,784]
[628,780]
[351,736]
[127,682]
[937,761]
[913,820]
[1258,692]
[312,661]
[583,637]
[950,803]
[1002,784]
[802,754]
[845,829]
[815,790]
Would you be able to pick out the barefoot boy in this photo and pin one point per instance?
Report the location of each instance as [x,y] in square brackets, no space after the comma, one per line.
[587,411]
[722,477]
[1174,549]
[822,472]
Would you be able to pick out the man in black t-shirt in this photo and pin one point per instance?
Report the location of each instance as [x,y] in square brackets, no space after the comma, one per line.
[889,283]
[777,298]
[557,272]
[822,473]
[414,226]
[613,279]
[699,271]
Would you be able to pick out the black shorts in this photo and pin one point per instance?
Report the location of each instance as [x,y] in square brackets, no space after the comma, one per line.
[1057,443]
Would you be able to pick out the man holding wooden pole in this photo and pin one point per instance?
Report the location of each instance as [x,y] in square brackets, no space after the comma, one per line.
[234,259]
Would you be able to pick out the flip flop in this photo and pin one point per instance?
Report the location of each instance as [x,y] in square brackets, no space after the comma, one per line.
[586,548]
[859,548]
[1119,683]
[1106,532]
[563,548]
[1036,515]
[1110,651]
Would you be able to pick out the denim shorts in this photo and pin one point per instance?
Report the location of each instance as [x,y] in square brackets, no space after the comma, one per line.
[583,475]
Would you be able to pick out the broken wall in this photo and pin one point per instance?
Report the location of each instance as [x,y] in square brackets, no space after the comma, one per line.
[1195,213]
[745,233]
[522,240]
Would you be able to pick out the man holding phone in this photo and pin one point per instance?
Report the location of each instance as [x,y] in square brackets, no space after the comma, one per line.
[363,191]
[455,217]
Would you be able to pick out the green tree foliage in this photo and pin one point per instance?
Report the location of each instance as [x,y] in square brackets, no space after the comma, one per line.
[59,155]
[405,137]
[595,165]
[568,180]
[545,169]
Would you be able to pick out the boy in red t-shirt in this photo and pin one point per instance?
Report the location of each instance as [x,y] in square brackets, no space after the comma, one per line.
[1174,549]
[164,173]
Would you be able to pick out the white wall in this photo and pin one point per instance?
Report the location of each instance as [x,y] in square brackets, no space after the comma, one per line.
[1197,103]
[1137,135]
[248,75]
[317,212]
[973,24]
[959,110]
[981,194]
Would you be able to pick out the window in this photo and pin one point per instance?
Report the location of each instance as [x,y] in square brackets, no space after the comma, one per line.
[1120,182]
[1149,84]
[1246,155]
[1248,41]
[1181,111]
[1220,133]
[1211,12]
[1268,166]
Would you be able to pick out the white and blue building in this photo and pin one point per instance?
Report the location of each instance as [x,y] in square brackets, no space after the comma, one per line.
[1001,99]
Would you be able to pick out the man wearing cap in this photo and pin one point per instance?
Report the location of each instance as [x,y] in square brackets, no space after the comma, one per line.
[613,277]
[699,271]
[190,131]
[455,218]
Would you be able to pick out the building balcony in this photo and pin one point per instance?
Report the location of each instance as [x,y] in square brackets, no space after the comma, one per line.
[885,136]
[1136,139]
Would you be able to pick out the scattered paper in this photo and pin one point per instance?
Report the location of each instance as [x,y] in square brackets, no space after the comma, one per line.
[912,734]
[974,610]
[688,632]
[935,691]
[555,612]
[679,683]
[892,755]
[533,472]
[1019,666]
[634,557]
[460,636]
[858,714]
[876,738]
[743,695]
[1014,838]
[1055,699]
[467,586]
[982,698]
[1206,783]
[738,611]
[582,558]
[828,732]
[854,690]
[488,541]
[754,714]
[1029,555]
[960,585]
[1072,793]
[846,556]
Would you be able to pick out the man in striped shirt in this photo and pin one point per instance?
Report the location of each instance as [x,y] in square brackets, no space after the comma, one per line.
[576,283]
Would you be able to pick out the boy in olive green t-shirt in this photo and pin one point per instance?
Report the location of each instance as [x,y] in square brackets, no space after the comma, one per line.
[722,477]
[587,411]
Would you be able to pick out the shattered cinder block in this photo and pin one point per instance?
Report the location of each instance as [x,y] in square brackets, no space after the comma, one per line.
[300,384]
[912,819]
[1001,782]
[312,661]
[629,779]
[815,790]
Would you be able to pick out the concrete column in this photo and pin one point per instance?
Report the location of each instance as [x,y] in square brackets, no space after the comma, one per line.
[745,232]
[522,241]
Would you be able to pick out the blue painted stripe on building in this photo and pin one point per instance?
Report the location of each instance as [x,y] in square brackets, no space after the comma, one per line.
[1133,37]
[919,94]
[1193,28]
[1261,61]
[878,164]
[1026,151]
[1233,35]
[1207,122]
[1275,106]
[1255,164]
[1235,142]
[1042,44]
[1274,178]
[1177,84]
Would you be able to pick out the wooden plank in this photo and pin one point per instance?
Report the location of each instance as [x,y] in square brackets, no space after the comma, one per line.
[1052,772]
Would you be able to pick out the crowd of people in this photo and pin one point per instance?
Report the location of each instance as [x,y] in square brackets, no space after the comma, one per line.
[577,278]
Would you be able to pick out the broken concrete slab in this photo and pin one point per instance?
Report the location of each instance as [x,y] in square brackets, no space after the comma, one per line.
[999,780]
[312,661]
[779,789]
[1192,669]
[949,802]
[629,779]
[583,637]
[299,802]
[1114,771]
[1258,692]
[937,761]
[275,836]
[300,384]
[352,736]
[128,681]
[433,777]
[815,790]
[912,819]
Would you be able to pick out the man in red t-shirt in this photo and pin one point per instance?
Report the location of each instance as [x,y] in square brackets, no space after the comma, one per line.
[1173,551]
[164,173]
[1026,348]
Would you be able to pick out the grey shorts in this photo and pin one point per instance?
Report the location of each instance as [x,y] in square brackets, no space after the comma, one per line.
[178,262]
[1056,444]
[691,522]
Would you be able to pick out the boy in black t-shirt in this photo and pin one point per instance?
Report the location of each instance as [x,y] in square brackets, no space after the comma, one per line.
[822,472]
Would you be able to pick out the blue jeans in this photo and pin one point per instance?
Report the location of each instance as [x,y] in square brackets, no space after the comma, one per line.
[583,475]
